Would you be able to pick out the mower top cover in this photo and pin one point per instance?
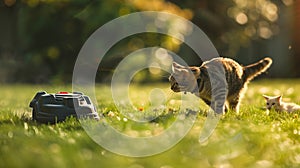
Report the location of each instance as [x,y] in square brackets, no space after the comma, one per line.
[52,108]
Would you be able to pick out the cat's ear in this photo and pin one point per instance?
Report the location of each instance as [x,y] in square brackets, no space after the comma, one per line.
[266,97]
[176,65]
[195,71]
[279,97]
[177,68]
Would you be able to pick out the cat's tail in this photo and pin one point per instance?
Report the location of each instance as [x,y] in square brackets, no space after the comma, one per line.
[252,70]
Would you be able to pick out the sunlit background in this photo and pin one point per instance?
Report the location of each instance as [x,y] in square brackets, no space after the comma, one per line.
[40,39]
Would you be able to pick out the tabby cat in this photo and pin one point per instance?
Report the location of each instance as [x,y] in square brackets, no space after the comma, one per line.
[219,82]
[279,105]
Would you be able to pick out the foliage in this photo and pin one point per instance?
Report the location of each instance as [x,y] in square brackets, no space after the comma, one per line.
[52,39]
[233,24]
[50,34]
[250,139]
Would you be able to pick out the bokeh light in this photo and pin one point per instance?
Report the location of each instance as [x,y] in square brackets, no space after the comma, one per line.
[288,2]
[252,13]
[53,52]
[241,18]
[154,68]
[9,3]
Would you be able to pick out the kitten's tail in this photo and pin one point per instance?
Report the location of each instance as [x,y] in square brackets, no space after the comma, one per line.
[252,70]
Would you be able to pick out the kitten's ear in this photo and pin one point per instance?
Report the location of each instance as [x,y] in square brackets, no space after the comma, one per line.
[279,97]
[266,97]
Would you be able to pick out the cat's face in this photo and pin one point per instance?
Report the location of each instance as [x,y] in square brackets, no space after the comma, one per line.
[184,78]
[272,102]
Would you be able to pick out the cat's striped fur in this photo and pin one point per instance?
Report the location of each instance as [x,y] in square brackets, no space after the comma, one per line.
[217,81]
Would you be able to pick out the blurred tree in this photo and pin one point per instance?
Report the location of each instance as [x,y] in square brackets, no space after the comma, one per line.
[232,24]
[48,34]
[50,38]
[296,39]
[8,40]
[51,34]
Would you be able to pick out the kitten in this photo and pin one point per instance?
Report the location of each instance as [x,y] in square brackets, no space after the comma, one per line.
[279,105]
[207,82]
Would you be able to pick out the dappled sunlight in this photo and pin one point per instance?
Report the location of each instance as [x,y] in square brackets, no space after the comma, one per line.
[250,138]
[254,20]
[161,5]
[177,28]
[51,33]
[251,12]
[41,40]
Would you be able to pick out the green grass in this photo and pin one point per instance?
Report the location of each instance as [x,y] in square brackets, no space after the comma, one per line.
[249,139]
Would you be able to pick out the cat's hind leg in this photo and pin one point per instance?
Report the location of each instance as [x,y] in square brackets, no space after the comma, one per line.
[226,108]
[206,101]
[234,104]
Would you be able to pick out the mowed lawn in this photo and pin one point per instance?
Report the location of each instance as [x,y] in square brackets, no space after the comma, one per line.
[249,139]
